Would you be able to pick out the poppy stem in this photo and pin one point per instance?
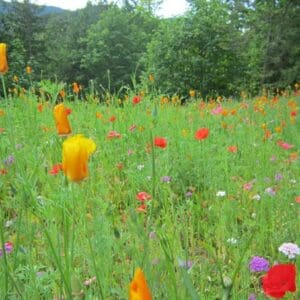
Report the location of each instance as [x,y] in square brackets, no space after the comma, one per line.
[4,88]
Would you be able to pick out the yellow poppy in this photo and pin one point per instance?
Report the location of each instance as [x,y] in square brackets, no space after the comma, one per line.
[3,59]
[61,119]
[75,154]
[138,288]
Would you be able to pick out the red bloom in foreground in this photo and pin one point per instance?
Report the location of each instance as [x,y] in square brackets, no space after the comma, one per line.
[136,99]
[113,134]
[232,149]
[279,280]
[143,196]
[160,142]
[56,169]
[201,133]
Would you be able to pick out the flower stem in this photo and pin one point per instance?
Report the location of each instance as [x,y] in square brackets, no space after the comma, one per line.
[4,88]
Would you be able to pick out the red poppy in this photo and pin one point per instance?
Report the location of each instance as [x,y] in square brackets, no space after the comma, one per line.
[297,199]
[279,280]
[160,142]
[113,134]
[142,208]
[143,196]
[136,99]
[293,113]
[232,149]
[56,169]
[112,118]
[201,133]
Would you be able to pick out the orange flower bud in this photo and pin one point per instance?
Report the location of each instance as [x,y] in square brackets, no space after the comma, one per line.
[3,59]
[61,119]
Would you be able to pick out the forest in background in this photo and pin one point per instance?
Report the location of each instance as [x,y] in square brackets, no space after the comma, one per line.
[217,47]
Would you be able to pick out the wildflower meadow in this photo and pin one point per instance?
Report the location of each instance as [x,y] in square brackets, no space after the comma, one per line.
[144,197]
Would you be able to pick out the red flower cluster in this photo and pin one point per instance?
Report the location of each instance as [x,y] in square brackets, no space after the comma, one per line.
[136,99]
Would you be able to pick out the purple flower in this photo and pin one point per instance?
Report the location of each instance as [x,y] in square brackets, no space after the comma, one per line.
[8,247]
[189,194]
[186,264]
[258,264]
[166,179]
[278,177]
[152,235]
[9,160]
[291,250]
[270,191]
[252,297]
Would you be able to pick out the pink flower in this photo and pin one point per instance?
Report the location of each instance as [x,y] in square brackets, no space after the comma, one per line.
[248,186]
[284,145]
[218,110]
[113,134]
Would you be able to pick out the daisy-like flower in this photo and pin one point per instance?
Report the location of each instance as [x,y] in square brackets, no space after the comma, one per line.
[221,194]
[291,250]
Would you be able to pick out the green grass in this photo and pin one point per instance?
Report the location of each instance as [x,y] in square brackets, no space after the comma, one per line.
[64,233]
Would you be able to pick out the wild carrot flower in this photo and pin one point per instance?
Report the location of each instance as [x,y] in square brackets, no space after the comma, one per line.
[75,155]
[279,280]
[3,59]
[61,119]
[258,264]
[138,288]
[201,133]
[221,194]
[291,250]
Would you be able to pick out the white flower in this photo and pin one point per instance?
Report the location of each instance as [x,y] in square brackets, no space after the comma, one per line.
[256,197]
[140,167]
[221,194]
[289,249]
[232,241]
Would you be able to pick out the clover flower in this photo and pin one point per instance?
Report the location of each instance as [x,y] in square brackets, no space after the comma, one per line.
[291,250]
[258,264]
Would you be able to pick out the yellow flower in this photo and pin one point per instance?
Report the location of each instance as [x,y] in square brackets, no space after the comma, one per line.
[28,70]
[75,154]
[61,119]
[138,288]
[192,93]
[3,59]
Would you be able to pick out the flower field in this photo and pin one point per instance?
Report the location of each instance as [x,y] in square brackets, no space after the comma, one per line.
[146,198]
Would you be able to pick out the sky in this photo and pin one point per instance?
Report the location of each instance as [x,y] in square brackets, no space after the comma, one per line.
[169,7]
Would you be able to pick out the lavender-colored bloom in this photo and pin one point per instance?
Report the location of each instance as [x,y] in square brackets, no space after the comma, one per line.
[278,177]
[8,247]
[189,194]
[166,179]
[258,264]
[186,264]
[9,160]
[252,297]
[152,235]
[291,250]
[270,191]
[19,146]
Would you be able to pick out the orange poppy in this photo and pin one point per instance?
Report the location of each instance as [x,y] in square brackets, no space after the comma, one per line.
[138,288]
[201,133]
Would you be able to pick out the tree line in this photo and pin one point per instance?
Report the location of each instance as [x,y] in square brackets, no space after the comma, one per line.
[217,47]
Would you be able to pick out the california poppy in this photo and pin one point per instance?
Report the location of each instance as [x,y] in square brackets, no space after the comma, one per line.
[279,280]
[3,59]
[61,119]
[160,142]
[75,155]
[76,88]
[28,70]
[138,288]
[201,133]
